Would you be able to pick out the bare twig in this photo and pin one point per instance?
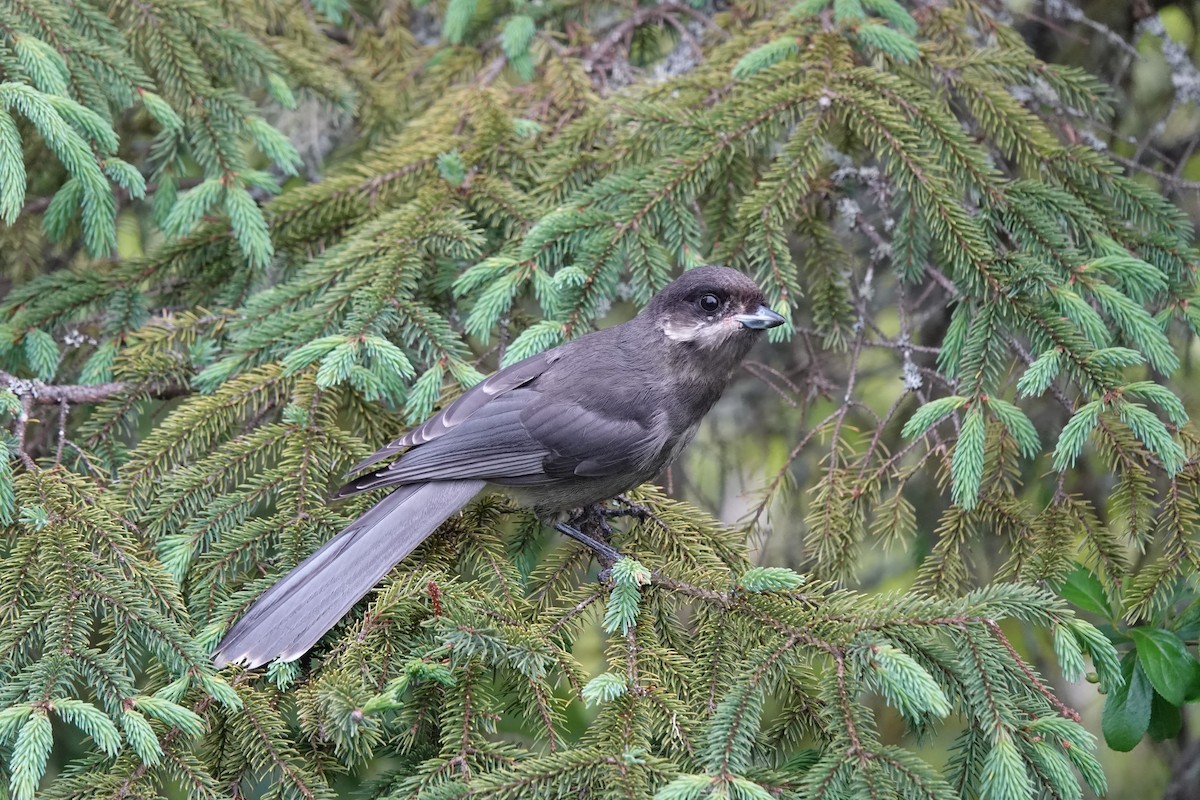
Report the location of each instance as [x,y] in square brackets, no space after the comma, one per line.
[600,52]
[31,392]
[63,409]
[40,393]
[489,75]
[19,432]
[765,374]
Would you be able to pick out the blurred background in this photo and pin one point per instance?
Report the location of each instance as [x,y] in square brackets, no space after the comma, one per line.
[746,465]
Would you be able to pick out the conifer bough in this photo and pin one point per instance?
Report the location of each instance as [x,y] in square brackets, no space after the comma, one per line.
[916,190]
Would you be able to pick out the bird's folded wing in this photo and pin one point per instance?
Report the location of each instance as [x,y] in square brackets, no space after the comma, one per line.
[466,406]
[524,438]
[589,442]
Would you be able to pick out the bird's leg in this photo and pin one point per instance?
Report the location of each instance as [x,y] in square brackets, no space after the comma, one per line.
[608,554]
[596,518]
[592,519]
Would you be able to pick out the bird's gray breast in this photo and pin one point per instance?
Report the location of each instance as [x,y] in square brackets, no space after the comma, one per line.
[680,443]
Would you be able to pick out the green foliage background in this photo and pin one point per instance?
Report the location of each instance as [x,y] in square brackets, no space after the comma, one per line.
[248,242]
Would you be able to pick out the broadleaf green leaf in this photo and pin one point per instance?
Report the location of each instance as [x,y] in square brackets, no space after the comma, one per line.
[1127,709]
[1172,670]
[1166,719]
[1084,590]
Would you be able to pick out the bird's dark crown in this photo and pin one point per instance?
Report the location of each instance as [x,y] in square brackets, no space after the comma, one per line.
[731,287]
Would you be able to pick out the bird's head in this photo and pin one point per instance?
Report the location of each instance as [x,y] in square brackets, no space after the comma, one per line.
[711,307]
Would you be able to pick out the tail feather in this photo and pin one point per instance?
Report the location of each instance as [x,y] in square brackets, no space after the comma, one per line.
[297,611]
[363,483]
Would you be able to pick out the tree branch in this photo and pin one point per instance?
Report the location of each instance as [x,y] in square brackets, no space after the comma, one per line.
[40,393]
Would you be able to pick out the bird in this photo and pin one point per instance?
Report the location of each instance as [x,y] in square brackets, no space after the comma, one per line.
[566,429]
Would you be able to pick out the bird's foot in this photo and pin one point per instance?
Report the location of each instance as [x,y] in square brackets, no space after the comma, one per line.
[593,519]
[627,508]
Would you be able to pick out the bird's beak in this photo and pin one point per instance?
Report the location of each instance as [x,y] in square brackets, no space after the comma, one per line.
[761,319]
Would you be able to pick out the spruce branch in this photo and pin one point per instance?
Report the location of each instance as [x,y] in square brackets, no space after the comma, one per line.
[960,261]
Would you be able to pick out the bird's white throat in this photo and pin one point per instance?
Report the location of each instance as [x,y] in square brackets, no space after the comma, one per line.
[704,333]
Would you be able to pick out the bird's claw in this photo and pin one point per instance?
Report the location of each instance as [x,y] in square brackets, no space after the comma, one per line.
[627,508]
[594,519]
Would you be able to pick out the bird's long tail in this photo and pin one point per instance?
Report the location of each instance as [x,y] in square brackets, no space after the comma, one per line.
[297,611]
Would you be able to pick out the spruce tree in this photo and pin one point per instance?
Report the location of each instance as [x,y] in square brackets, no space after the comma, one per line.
[909,183]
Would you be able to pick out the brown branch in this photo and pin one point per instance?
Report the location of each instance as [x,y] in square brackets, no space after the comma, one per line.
[489,75]
[602,49]
[31,392]
[19,431]
[765,372]
[681,587]
[63,409]
[40,393]
[579,608]
[1032,677]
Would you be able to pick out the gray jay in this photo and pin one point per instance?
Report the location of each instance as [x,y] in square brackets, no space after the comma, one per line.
[561,430]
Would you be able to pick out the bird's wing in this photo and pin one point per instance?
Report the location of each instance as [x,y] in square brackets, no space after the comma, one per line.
[588,441]
[524,438]
[482,393]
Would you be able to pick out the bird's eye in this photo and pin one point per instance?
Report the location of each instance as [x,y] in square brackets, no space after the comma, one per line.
[708,303]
